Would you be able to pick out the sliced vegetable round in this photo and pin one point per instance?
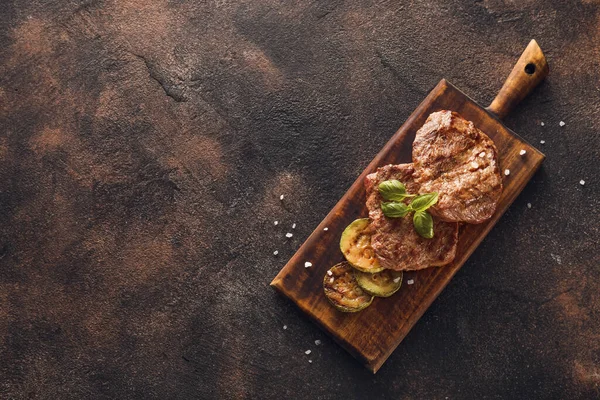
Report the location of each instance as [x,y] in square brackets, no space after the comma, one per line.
[356,247]
[380,284]
[342,290]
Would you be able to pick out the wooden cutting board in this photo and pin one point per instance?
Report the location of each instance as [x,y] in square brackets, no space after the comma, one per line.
[372,334]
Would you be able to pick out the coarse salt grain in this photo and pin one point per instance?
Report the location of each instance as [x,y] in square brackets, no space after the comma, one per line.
[329,273]
[507,172]
[331,280]
[562,123]
[310,361]
[307,264]
[275,252]
[281,197]
[474,165]
[410,281]
[582,182]
[522,152]
[482,154]
[396,280]
[285,327]
[307,352]
[317,342]
[293,226]
[275,222]
[326,229]
[288,235]
[541,123]
[542,141]
[528,205]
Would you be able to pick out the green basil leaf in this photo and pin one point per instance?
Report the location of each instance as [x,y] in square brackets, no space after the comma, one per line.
[394,209]
[423,201]
[423,223]
[392,190]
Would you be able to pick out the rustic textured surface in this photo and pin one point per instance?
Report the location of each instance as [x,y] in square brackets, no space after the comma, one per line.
[143,149]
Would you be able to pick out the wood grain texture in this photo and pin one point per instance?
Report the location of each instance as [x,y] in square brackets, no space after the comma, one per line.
[373,334]
[528,72]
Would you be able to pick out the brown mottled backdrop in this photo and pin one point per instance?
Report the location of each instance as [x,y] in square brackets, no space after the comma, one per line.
[143,148]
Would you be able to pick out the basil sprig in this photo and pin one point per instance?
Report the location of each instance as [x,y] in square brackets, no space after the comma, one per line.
[423,223]
[395,191]
[423,201]
[394,209]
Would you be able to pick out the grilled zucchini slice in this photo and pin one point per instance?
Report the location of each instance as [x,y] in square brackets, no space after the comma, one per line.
[356,247]
[342,290]
[380,284]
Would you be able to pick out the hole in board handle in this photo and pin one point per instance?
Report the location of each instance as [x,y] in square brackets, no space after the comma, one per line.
[530,69]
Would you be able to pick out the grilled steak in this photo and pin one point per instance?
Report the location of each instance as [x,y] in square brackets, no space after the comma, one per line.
[395,242]
[460,162]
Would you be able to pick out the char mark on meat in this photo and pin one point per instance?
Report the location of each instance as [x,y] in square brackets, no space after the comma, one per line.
[395,241]
[460,162]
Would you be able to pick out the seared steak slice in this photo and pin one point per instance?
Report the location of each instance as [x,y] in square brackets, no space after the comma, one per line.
[460,162]
[396,243]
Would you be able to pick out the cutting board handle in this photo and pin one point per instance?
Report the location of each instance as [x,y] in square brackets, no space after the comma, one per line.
[528,72]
